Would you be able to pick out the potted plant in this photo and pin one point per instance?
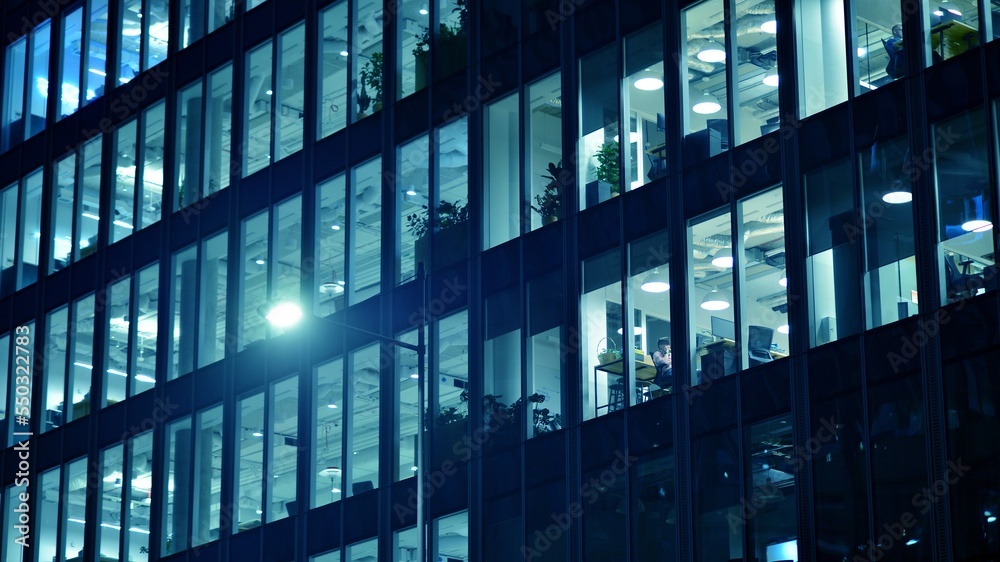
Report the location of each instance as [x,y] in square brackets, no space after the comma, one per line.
[451,426]
[609,353]
[371,78]
[451,41]
[549,201]
[607,184]
[452,228]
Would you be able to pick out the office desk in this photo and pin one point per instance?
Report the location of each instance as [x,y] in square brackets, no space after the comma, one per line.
[645,372]
[953,38]
[714,354]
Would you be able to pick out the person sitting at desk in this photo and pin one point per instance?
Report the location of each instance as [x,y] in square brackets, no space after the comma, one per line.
[663,362]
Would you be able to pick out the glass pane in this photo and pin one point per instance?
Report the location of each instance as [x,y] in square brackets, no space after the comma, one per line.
[363,436]
[362,552]
[716,486]
[332,556]
[600,164]
[257,119]
[649,285]
[189,123]
[130,23]
[605,348]
[284,416]
[451,234]
[832,262]
[54,368]
[8,237]
[74,500]
[502,368]
[13,550]
[7,359]
[38,80]
[706,125]
[81,357]
[757,73]
[408,410]
[109,502]
[412,200]
[212,309]
[404,544]
[710,273]
[124,181]
[954,28]
[414,46]
[178,487]
[891,268]
[501,155]
[367,56]
[207,488]
[151,191]
[218,129]
[366,230]
[333,54]
[48,515]
[545,354]
[13,93]
[451,537]
[139,506]
[88,200]
[452,374]
[288,120]
[287,270]
[822,54]
[183,312]
[117,350]
[964,199]
[64,187]
[248,479]
[69,87]
[642,97]
[144,367]
[31,236]
[331,241]
[762,274]
[327,478]
[95,64]
[881,56]
[654,526]
[769,503]
[450,36]
[204,16]
[156,22]
[544,165]
[253,283]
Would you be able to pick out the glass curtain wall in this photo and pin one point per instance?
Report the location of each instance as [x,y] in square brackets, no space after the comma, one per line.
[330,277]
[333,57]
[605,349]
[451,338]
[257,117]
[327,476]
[289,108]
[706,95]
[366,57]
[546,179]
[248,476]
[365,231]
[407,409]
[881,56]
[716,483]
[710,273]
[204,138]
[502,367]
[412,200]
[30,229]
[965,197]
[95,71]
[832,262]
[450,220]
[770,515]
[117,343]
[501,166]
[88,199]
[364,394]
[649,290]
[952,28]
[202,17]
[8,238]
[15,69]
[145,32]
[70,60]
[891,265]
[822,54]
[644,159]
[545,355]
[198,305]
[64,194]
[414,46]
[755,95]
[599,144]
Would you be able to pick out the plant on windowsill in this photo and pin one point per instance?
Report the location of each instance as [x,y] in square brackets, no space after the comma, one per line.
[549,201]
[371,78]
[451,231]
[607,166]
[451,42]
[609,353]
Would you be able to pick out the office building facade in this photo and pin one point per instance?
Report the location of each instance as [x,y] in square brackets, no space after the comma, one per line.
[788,204]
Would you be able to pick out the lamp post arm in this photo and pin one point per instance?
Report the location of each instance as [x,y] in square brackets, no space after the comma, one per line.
[412,347]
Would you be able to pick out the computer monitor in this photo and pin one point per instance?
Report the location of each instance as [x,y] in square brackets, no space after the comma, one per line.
[759,337]
[722,328]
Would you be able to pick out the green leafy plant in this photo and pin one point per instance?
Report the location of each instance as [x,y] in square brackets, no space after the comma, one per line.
[454,414]
[449,215]
[607,165]
[449,37]
[549,201]
[371,78]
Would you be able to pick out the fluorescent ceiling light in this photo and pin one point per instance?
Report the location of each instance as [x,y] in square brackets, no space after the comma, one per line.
[145,379]
[897,197]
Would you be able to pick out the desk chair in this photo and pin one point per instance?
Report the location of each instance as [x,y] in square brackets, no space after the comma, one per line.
[759,345]
[960,283]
